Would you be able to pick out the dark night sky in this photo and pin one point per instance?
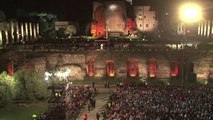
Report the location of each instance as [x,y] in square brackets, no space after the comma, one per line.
[74,10]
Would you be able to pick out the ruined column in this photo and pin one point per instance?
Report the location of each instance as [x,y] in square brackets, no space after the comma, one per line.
[12,31]
[30,32]
[6,37]
[34,30]
[22,31]
[26,32]
[201,28]
[198,29]
[1,39]
[17,33]
[204,29]
[208,28]
[211,29]
[37,29]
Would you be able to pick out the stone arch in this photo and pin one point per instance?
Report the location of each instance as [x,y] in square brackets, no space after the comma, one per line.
[76,71]
[90,67]
[110,68]
[174,69]
[132,68]
[152,68]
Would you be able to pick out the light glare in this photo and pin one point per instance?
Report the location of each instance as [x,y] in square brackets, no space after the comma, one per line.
[190,12]
[112,7]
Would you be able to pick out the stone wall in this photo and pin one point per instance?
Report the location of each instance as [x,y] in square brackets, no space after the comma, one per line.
[202,61]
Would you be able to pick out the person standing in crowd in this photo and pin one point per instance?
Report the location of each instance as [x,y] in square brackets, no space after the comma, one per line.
[93,84]
[97,116]
[105,85]
[108,84]
[94,102]
[104,115]
[88,107]
[84,116]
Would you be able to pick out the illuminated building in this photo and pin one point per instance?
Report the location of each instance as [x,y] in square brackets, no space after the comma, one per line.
[110,68]
[152,68]
[145,18]
[132,68]
[115,18]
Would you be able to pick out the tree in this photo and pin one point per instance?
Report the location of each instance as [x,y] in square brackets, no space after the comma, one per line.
[20,13]
[32,84]
[8,88]
[2,16]
[47,24]
[70,30]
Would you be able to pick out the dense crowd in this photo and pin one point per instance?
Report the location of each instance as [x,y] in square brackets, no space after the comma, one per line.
[67,104]
[83,44]
[161,103]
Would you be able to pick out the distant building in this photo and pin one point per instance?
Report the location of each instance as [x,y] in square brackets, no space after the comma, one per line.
[109,18]
[187,30]
[205,29]
[13,32]
[202,29]
[145,18]
[98,25]
[61,24]
[118,17]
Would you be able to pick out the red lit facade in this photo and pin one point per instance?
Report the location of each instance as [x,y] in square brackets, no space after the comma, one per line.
[132,69]
[152,68]
[110,68]
[98,25]
[130,24]
[109,18]
[90,68]
[174,69]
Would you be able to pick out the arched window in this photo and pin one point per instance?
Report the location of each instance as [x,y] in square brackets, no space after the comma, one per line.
[152,68]
[132,69]
[174,69]
[90,68]
[110,68]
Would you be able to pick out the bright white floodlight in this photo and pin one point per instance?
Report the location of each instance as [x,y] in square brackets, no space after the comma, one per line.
[190,12]
[113,7]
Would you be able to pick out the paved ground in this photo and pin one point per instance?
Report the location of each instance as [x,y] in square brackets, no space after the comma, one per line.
[101,101]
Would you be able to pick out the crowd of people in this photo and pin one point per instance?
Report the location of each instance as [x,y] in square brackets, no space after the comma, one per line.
[56,46]
[83,44]
[67,104]
[161,103]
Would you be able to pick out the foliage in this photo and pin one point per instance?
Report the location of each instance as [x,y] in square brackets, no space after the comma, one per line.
[2,16]
[20,13]
[47,24]
[61,33]
[15,112]
[70,30]
[31,84]
[4,26]
[8,88]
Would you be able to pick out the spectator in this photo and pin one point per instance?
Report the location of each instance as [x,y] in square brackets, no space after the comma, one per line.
[151,103]
[97,116]
[84,117]
[104,115]
[93,84]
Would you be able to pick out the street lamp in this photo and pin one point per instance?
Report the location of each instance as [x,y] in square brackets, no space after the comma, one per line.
[189,13]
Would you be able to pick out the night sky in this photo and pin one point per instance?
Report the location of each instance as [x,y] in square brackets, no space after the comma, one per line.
[76,10]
